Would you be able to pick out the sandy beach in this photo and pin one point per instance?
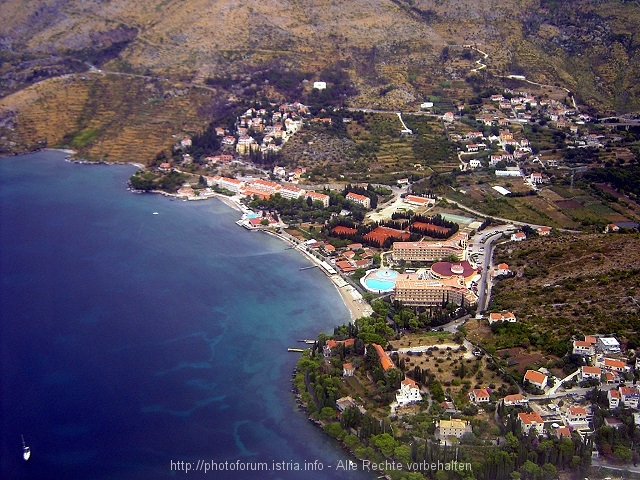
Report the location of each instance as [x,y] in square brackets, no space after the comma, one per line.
[352,299]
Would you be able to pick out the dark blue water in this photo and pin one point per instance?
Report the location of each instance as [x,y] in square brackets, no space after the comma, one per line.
[130,340]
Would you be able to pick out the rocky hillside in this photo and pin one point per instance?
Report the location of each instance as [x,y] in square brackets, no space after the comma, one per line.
[393,52]
[574,284]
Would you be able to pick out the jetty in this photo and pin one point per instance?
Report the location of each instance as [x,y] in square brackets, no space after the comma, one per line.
[307,268]
[297,350]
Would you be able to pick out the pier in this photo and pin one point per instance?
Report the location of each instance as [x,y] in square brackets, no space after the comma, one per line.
[307,268]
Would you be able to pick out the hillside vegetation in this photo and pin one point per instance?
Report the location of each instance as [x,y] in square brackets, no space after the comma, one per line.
[117,118]
[573,284]
[391,54]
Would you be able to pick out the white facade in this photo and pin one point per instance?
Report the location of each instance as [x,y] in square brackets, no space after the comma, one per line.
[408,393]
[608,345]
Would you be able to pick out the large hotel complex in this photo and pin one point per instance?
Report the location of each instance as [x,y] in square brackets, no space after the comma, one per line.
[415,292]
[431,251]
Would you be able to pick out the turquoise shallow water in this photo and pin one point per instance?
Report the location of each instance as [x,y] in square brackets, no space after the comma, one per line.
[129,340]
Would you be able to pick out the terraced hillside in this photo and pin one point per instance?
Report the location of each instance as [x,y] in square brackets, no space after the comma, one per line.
[111,117]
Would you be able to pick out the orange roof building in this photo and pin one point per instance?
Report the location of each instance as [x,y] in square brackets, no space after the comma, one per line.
[536,378]
[384,358]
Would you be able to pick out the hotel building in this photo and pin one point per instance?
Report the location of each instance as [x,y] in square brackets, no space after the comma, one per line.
[431,251]
[422,293]
[359,199]
[319,197]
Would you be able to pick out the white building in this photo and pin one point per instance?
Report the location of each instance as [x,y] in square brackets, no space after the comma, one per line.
[479,395]
[502,317]
[408,393]
[453,428]
[576,417]
[608,345]
[359,199]
[614,398]
[531,420]
[536,378]
[587,372]
[515,399]
[581,347]
[321,197]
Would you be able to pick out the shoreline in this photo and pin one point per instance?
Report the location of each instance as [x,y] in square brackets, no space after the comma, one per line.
[351,298]
[356,305]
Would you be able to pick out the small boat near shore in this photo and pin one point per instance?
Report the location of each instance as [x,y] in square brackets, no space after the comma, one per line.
[26,451]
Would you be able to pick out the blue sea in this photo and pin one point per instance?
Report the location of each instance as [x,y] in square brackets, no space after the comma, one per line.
[130,340]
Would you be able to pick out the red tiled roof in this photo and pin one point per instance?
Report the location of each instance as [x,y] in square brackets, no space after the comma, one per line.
[528,418]
[481,392]
[609,362]
[517,397]
[534,376]
[591,370]
[384,358]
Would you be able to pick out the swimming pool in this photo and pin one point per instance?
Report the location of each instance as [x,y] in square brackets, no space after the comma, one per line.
[380,281]
[379,285]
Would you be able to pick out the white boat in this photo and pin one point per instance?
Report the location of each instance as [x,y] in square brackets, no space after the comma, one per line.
[26,451]
[155,213]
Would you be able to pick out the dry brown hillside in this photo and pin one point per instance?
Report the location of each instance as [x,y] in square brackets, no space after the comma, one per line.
[394,52]
[104,116]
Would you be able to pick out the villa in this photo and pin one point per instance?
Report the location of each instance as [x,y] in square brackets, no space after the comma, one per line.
[408,393]
[502,317]
[453,428]
[501,269]
[536,379]
[531,420]
[515,399]
[576,416]
[587,373]
[348,370]
[581,347]
[615,365]
[614,398]
[629,396]
[479,395]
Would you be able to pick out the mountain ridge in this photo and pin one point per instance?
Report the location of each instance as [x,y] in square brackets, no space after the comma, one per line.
[396,53]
